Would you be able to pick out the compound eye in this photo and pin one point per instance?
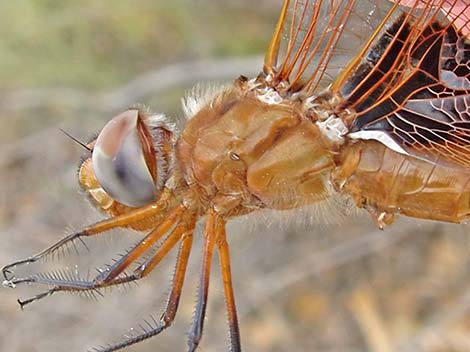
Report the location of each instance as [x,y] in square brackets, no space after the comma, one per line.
[122,160]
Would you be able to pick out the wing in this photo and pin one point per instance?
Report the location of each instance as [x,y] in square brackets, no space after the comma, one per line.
[401,70]
[315,40]
[412,88]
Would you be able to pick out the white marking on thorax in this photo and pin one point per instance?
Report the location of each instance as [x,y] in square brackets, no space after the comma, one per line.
[333,128]
[380,136]
[268,96]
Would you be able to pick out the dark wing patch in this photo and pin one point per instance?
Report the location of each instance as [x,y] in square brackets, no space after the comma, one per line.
[415,86]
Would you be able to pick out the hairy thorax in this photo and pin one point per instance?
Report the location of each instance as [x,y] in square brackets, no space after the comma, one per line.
[245,154]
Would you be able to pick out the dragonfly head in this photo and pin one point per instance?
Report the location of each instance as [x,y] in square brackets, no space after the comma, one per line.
[130,161]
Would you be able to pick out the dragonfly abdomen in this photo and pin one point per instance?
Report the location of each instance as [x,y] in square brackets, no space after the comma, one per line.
[387,183]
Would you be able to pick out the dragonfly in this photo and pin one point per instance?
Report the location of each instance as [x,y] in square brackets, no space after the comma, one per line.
[384,125]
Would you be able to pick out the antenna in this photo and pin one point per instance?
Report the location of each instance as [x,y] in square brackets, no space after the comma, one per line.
[76,140]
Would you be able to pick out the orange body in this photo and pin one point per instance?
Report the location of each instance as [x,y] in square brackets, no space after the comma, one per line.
[248,155]
[272,156]
[240,154]
[386,182]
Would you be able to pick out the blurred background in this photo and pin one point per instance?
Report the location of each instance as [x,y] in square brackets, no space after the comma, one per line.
[299,287]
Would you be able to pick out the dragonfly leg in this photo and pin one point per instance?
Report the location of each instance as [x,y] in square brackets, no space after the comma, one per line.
[123,220]
[210,237]
[173,299]
[118,267]
[109,277]
[224,258]
[64,284]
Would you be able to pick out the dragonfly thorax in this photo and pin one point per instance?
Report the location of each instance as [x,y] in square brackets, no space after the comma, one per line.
[251,153]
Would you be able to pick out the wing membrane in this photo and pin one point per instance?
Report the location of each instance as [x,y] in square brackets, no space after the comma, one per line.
[414,86]
[315,40]
[401,69]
